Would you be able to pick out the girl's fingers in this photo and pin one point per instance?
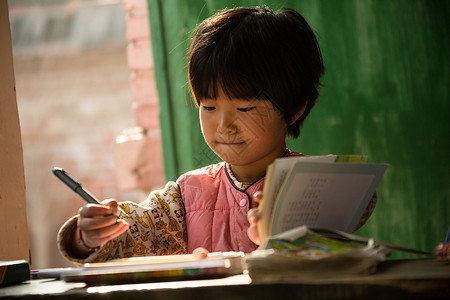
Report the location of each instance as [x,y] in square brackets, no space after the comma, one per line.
[257,196]
[106,207]
[97,237]
[112,204]
[94,210]
[200,253]
[95,216]
[96,223]
[106,231]
[253,234]
[253,216]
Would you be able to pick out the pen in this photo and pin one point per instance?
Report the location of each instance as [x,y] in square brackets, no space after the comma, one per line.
[74,185]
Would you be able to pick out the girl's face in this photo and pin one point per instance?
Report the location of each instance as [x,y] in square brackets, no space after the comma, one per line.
[246,134]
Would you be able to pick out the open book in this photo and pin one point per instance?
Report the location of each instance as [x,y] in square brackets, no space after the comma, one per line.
[305,254]
[309,254]
[330,191]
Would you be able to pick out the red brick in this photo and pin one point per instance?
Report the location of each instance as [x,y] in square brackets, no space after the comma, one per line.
[137,27]
[134,6]
[152,170]
[146,114]
[143,85]
[138,160]
[140,56]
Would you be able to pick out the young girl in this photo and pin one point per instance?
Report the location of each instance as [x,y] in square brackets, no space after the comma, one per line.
[254,75]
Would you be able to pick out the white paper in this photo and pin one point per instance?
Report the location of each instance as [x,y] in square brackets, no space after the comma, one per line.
[322,200]
[327,195]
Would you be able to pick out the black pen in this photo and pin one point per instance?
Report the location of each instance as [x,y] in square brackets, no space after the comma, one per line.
[74,185]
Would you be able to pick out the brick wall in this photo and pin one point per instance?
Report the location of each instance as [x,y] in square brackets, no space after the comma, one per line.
[74,105]
[138,152]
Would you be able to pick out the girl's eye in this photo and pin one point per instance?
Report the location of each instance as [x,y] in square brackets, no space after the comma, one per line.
[246,109]
[209,108]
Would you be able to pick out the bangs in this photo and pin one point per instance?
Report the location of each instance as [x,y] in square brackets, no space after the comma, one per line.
[231,59]
[207,83]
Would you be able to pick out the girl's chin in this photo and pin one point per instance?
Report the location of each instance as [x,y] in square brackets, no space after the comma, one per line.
[232,156]
[232,159]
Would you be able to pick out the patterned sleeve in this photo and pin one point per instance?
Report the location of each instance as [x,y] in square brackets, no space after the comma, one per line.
[157,227]
[368,212]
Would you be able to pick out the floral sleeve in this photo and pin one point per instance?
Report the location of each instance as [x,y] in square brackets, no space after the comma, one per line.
[157,227]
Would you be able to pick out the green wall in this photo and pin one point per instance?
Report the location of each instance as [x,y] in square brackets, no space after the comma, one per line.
[385,93]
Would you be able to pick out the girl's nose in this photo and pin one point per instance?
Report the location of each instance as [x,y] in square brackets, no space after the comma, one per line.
[226,123]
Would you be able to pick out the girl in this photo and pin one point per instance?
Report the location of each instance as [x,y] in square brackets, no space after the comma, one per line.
[254,75]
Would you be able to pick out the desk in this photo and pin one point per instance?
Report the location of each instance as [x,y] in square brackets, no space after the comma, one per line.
[396,279]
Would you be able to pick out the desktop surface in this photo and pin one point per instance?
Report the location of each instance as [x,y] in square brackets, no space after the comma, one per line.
[395,279]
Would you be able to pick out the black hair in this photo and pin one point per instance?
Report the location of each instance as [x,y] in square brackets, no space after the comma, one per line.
[255,53]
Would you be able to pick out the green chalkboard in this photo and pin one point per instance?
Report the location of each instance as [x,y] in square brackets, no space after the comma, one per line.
[385,94]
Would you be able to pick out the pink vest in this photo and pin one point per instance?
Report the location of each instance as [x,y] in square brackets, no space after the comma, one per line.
[216,210]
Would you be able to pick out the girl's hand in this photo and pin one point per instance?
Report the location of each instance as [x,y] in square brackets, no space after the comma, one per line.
[98,224]
[200,253]
[253,219]
[442,251]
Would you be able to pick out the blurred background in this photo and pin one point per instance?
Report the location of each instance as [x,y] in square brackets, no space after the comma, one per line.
[86,73]
[74,98]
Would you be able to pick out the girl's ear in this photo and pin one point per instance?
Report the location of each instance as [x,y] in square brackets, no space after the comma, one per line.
[298,114]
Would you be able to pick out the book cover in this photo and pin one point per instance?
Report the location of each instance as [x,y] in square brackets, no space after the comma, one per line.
[14,271]
[158,268]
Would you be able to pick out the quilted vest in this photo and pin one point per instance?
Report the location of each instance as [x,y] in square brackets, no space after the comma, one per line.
[216,210]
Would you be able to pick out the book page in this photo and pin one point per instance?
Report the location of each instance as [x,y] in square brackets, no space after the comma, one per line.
[276,175]
[325,195]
